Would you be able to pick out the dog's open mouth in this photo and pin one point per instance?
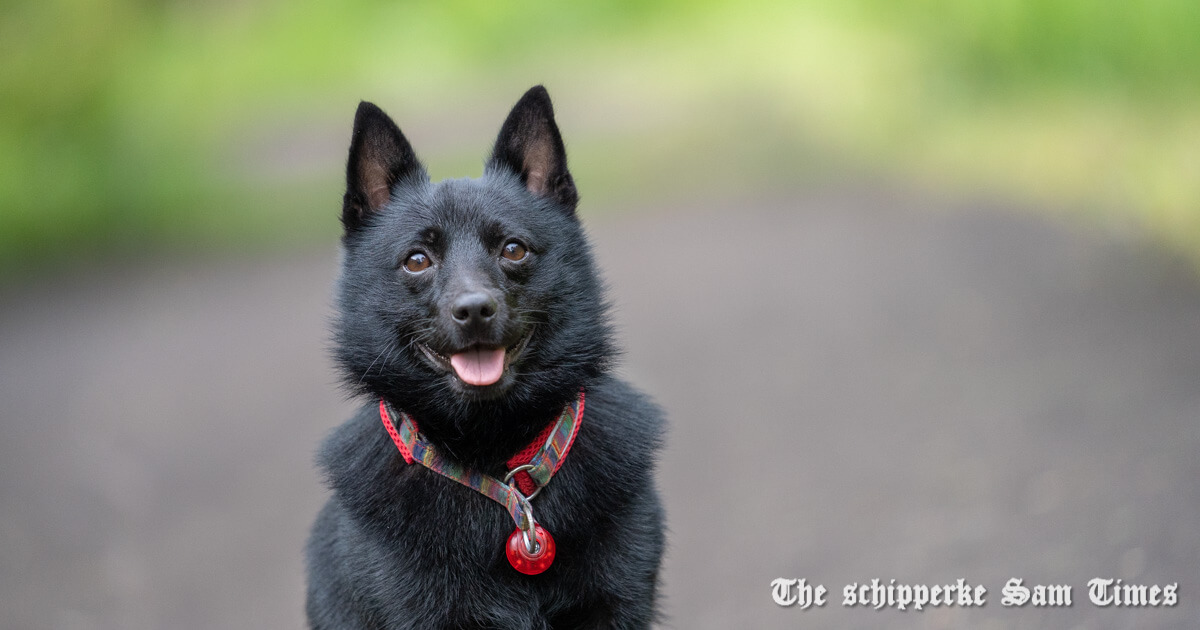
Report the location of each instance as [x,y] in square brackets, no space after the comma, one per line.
[478,364]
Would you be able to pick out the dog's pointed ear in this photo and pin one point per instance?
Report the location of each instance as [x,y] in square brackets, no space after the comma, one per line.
[380,157]
[530,146]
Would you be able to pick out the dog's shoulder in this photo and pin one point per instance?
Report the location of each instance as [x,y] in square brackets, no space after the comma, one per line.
[359,461]
[621,424]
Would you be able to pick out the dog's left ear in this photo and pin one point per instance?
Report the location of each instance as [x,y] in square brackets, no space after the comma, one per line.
[530,146]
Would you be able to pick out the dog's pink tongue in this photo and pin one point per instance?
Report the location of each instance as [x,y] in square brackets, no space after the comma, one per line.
[479,366]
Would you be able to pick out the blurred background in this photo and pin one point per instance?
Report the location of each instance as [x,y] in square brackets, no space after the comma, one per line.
[130,126]
[939,261]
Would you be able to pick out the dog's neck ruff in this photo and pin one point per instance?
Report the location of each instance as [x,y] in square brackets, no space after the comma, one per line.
[531,468]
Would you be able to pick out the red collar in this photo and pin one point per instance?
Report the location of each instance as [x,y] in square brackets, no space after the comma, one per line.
[531,468]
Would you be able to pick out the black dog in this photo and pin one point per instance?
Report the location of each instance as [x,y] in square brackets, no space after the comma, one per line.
[472,307]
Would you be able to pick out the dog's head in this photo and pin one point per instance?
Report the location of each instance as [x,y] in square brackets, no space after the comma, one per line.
[468,297]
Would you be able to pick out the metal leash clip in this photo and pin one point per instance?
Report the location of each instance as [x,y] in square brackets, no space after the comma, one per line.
[528,522]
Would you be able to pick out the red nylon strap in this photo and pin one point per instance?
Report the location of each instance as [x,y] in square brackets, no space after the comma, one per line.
[526,483]
[391,429]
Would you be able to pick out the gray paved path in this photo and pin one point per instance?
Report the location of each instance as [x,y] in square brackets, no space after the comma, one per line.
[859,387]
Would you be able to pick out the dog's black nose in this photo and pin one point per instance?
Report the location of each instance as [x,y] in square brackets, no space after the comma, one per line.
[473,308]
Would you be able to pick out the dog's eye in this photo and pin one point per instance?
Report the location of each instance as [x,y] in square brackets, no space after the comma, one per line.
[416,262]
[514,251]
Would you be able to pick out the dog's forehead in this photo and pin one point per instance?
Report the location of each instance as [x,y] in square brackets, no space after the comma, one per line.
[473,206]
[483,195]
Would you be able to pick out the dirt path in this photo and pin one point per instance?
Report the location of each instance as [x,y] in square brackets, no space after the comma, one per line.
[859,388]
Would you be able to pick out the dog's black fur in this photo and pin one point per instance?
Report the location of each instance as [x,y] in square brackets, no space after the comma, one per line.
[399,546]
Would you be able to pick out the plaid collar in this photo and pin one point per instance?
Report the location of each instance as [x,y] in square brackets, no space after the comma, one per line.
[531,468]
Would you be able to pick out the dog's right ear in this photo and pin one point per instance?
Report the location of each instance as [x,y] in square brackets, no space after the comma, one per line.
[380,157]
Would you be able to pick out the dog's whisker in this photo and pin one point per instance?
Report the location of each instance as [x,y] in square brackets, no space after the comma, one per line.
[368,370]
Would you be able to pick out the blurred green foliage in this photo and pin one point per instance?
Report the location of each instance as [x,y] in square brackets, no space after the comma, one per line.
[135,126]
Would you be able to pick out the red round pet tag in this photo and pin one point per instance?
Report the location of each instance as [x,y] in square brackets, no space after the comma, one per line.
[531,563]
